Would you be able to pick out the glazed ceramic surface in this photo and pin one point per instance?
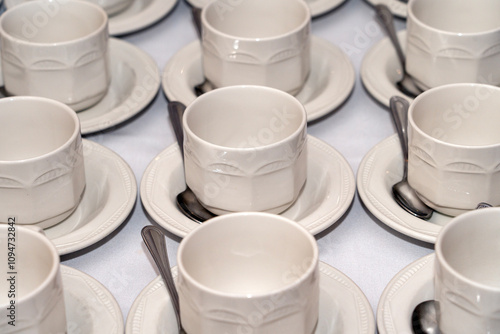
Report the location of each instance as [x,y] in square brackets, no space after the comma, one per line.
[249,272]
[467,277]
[245,149]
[260,42]
[112,7]
[329,84]
[40,59]
[42,175]
[454,147]
[453,41]
[33,300]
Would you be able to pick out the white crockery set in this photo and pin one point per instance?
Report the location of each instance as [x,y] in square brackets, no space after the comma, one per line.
[88,157]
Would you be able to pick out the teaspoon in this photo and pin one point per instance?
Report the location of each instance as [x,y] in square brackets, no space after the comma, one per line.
[206,85]
[406,85]
[424,318]
[155,242]
[186,200]
[403,193]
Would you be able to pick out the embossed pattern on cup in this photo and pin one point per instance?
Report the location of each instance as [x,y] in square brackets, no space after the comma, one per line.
[452,41]
[467,275]
[245,149]
[258,42]
[454,147]
[249,272]
[42,174]
[41,58]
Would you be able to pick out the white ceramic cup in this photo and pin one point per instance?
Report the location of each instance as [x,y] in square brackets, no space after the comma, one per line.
[112,7]
[31,290]
[245,149]
[249,273]
[450,41]
[454,147]
[42,176]
[56,49]
[467,274]
[258,42]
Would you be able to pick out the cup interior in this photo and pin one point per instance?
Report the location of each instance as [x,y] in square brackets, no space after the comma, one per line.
[51,21]
[459,114]
[457,16]
[244,117]
[35,263]
[257,18]
[33,127]
[471,247]
[247,254]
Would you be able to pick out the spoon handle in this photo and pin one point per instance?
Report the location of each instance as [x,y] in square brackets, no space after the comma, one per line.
[399,111]
[155,242]
[385,17]
[196,14]
[175,111]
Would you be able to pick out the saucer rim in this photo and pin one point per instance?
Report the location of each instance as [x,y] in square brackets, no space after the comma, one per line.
[366,318]
[346,191]
[397,8]
[382,54]
[337,59]
[101,293]
[323,7]
[106,227]
[392,218]
[123,51]
[403,280]
[153,13]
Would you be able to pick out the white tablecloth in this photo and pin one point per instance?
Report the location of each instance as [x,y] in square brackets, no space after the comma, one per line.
[359,245]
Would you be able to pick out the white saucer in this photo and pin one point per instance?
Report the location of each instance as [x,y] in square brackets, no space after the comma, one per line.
[135,81]
[109,197]
[381,70]
[326,196]
[317,7]
[330,81]
[410,287]
[397,7]
[139,15]
[343,307]
[90,307]
[380,168]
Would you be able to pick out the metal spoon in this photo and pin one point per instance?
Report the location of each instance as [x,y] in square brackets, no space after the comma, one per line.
[155,242]
[186,200]
[406,85]
[206,85]
[403,193]
[424,318]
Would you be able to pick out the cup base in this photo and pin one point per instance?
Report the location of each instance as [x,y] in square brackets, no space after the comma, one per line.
[452,212]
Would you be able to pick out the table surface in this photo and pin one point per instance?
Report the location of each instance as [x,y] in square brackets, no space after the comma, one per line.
[359,245]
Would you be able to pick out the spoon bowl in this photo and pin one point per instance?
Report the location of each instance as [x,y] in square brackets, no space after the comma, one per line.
[406,85]
[186,200]
[424,318]
[403,193]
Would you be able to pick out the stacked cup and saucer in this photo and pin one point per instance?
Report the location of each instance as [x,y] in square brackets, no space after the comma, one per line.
[249,160]
[453,165]
[49,173]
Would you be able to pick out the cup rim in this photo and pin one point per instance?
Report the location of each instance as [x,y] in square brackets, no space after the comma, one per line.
[302,127]
[307,273]
[440,259]
[93,34]
[411,16]
[215,31]
[434,90]
[55,257]
[74,136]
